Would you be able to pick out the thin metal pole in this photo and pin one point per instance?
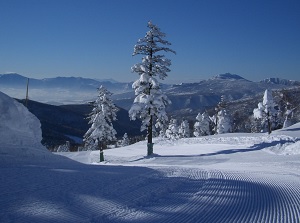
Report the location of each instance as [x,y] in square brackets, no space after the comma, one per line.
[26,100]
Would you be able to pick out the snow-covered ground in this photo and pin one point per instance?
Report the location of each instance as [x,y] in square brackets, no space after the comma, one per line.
[224,178]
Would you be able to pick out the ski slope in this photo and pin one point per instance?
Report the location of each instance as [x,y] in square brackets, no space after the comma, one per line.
[224,178]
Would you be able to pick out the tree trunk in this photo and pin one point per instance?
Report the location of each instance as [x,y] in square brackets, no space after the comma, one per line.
[101,148]
[150,130]
[101,155]
[149,133]
[269,123]
[150,143]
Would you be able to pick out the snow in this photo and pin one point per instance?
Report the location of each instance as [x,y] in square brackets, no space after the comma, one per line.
[234,177]
[19,130]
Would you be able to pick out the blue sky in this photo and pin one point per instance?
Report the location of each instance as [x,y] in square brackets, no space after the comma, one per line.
[95,38]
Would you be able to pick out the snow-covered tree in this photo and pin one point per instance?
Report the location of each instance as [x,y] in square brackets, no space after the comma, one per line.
[214,120]
[265,110]
[286,107]
[214,123]
[125,140]
[202,126]
[162,128]
[224,122]
[64,148]
[287,121]
[173,131]
[223,103]
[150,102]
[184,129]
[269,105]
[101,131]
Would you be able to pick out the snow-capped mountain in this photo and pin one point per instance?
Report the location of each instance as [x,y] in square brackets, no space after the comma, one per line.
[207,93]
[228,76]
[195,97]
[185,97]
[281,81]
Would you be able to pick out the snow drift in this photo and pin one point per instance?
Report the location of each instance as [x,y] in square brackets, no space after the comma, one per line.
[20,130]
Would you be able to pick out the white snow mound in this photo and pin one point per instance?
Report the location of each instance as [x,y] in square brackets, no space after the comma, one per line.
[20,130]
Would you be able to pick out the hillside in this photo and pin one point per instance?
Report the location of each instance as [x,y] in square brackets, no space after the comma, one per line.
[68,122]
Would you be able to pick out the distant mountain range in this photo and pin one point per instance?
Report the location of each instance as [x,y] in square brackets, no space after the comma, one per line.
[281,81]
[67,122]
[185,97]
[78,83]
[191,98]
[58,90]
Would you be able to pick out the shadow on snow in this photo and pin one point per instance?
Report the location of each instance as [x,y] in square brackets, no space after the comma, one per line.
[255,147]
[72,192]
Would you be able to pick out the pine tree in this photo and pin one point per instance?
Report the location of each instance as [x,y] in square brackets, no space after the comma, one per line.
[286,107]
[125,140]
[202,126]
[269,105]
[224,122]
[215,118]
[265,110]
[150,102]
[65,147]
[184,129]
[172,131]
[101,131]
[162,126]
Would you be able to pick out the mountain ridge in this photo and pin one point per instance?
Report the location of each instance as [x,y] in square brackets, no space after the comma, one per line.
[197,95]
[229,76]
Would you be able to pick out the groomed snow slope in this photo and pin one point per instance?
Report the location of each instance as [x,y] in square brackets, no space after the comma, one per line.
[225,178]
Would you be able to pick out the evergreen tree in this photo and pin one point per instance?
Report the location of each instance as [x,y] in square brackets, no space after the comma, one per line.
[184,129]
[286,107]
[172,131]
[150,102]
[125,140]
[224,122]
[269,105]
[214,120]
[162,126]
[265,110]
[64,148]
[205,124]
[101,131]
[202,126]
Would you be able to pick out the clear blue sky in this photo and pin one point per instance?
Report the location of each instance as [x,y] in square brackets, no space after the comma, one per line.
[95,38]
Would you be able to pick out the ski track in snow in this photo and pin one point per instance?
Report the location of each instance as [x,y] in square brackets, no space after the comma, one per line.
[86,193]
